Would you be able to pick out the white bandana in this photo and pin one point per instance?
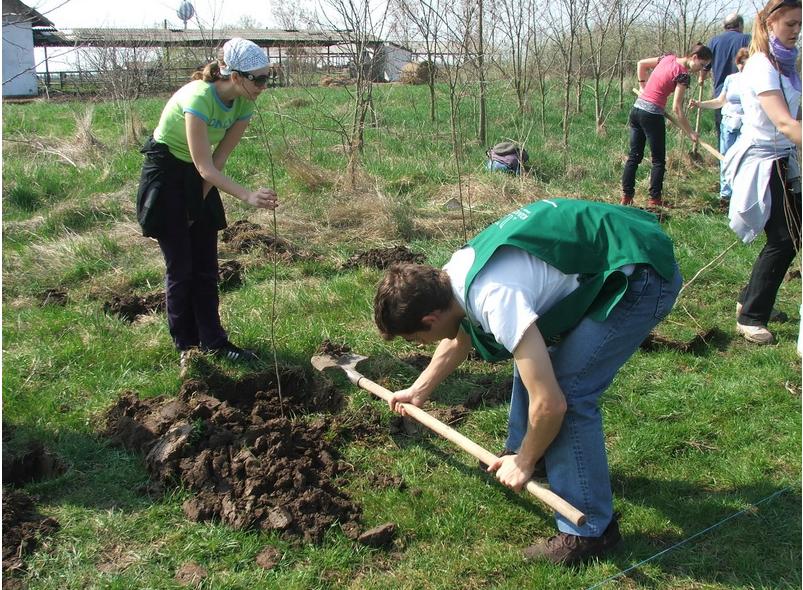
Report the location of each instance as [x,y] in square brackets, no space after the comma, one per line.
[243,55]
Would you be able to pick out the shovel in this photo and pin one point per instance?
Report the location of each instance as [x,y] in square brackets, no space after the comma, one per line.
[348,362]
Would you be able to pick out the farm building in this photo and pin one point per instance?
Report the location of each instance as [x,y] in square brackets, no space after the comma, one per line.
[167,55]
[23,28]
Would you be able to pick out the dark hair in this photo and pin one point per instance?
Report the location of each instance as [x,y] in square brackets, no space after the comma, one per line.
[741,56]
[406,294]
[701,51]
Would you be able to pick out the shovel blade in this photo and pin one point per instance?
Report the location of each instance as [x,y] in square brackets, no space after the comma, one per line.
[345,361]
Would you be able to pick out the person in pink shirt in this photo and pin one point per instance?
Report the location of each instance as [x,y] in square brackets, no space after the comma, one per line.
[670,74]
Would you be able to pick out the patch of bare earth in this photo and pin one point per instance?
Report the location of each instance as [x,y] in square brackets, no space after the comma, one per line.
[252,459]
[382,258]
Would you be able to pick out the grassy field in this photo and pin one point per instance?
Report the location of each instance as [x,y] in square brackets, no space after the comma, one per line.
[693,438]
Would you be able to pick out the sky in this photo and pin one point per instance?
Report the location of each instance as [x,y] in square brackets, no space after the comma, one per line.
[68,14]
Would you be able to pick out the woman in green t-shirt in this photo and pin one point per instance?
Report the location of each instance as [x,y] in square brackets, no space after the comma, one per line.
[178,202]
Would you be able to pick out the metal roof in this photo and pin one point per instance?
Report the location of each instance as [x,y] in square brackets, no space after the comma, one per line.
[107,37]
[16,11]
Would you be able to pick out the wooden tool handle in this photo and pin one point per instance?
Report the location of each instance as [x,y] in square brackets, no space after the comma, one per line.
[707,147]
[697,118]
[546,496]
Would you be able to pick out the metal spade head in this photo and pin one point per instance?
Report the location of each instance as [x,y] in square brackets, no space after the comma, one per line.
[346,361]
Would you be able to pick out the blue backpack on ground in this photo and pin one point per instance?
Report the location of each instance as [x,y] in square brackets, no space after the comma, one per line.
[507,156]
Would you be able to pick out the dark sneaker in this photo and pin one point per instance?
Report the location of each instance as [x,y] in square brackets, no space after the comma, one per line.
[235,353]
[566,549]
[538,473]
[626,200]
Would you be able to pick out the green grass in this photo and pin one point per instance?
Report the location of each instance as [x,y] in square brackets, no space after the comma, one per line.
[691,439]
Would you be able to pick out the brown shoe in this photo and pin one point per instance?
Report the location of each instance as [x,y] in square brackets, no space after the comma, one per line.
[626,200]
[566,549]
[655,203]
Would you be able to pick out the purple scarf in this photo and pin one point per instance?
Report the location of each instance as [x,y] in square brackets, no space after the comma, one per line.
[786,58]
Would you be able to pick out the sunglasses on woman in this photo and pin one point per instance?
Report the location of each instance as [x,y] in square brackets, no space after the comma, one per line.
[785,4]
[258,80]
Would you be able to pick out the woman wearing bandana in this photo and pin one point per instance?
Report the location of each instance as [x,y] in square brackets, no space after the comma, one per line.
[763,167]
[178,202]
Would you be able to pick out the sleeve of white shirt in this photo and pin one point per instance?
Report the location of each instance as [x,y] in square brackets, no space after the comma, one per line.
[507,313]
[759,74]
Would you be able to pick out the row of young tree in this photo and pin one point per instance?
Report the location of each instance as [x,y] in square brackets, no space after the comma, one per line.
[588,46]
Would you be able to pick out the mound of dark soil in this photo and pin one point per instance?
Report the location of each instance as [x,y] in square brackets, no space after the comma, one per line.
[383,258]
[129,306]
[244,236]
[23,528]
[334,349]
[235,445]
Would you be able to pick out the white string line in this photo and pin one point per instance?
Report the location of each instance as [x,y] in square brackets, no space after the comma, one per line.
[684,541]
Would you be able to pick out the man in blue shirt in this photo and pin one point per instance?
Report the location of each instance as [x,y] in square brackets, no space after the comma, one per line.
[724,47]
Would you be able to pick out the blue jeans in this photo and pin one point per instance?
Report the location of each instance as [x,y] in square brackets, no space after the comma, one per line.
[727,137]
[585,362]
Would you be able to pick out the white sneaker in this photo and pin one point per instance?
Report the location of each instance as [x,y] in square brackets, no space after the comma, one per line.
[755,334]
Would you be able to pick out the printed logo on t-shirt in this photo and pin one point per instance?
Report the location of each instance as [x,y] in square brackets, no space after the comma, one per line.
[219,124]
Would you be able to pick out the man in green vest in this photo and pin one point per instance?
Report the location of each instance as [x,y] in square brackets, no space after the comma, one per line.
[569,289]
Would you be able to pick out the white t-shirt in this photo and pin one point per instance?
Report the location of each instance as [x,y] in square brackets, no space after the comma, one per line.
[512,291]
[759,76]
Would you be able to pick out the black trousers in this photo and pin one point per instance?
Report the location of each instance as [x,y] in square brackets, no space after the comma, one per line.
[645,127]
[783,241]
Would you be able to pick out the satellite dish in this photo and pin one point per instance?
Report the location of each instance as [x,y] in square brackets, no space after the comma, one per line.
[185,12]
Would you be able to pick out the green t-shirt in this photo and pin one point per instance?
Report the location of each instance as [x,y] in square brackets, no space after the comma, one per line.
[201,99]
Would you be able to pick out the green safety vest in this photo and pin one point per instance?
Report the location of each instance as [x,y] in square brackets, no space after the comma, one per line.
[591,239]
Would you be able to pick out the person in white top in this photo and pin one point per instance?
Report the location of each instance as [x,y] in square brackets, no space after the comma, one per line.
[763,167]
[730,101]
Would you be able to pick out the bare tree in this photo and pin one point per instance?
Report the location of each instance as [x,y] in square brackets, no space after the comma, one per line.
[607,23]
[565,22]
[361,28]
[425,15]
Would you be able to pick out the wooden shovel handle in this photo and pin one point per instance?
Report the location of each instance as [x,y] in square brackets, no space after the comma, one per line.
[697,118]
[546,496]
[706,146]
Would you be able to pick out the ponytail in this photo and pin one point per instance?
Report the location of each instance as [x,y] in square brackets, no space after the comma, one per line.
[211,72]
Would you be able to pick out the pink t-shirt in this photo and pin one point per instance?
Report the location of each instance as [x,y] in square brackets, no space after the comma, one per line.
[663,80]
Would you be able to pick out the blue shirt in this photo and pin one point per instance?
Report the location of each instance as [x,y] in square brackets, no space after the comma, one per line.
[724,47]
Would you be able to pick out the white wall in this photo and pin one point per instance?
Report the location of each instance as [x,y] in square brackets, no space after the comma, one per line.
[19,73]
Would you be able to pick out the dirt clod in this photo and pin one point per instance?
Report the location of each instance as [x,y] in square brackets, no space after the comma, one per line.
[380,536]
[382,258]
[234,444]
[129,306]
[333,348]
[268,558]
[245,236]
[53,297]
[191,574]
[23,528]
[230,274]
